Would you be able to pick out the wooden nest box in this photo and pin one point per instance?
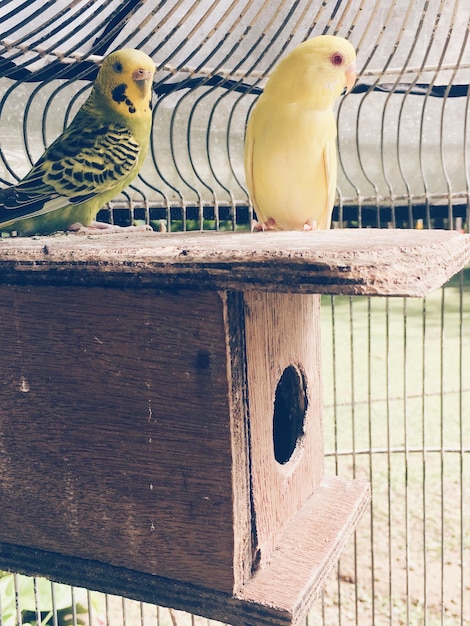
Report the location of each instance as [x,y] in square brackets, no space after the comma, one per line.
[160,410]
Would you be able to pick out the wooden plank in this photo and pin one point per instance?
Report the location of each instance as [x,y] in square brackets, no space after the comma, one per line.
[278,595]
[364,261]
[244,539]
[282,331]
[115,440]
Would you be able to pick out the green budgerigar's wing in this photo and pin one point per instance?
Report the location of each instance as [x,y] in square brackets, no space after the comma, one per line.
[86,161]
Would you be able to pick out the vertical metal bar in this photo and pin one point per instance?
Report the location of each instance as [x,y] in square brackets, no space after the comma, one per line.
[389,459]
[370,453]
[1,606]
[353,445]
[424,462]
[383,126]
[335,379]
[335,409]
[124,612]
[36,602]
[406,461]
[422,134]
[426,53]
[16,582]
[334,372]
[360,10]
[442,459]
[461,453]
[107,608]
[55,620]
[442,128]
[90,608]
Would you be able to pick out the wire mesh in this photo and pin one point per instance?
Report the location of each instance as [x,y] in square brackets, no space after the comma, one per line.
[403,132]
[396,385]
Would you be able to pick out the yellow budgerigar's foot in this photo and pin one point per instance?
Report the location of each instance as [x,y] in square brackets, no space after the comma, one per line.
[310,225]
[98,228]
[269,224]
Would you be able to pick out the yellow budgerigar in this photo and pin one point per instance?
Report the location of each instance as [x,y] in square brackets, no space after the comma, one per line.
[94,159]
[290,145]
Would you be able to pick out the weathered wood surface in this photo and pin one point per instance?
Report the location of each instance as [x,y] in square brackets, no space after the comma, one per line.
[281,331]
[136,448]
[368,261]
[278,595]
[308,550]
[115,420]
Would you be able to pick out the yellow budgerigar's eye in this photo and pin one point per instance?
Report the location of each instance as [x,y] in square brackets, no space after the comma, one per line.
[337,58]
[117,67]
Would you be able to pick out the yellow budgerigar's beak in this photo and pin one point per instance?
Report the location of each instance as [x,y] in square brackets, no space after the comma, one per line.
[350,76]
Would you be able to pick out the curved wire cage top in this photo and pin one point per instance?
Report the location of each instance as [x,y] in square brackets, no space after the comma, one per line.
[403,131]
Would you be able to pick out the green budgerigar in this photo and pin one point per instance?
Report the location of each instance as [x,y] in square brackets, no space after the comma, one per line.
[94,159]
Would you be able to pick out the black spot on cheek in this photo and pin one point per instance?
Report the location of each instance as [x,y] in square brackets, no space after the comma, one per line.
[130,105]
[119,93]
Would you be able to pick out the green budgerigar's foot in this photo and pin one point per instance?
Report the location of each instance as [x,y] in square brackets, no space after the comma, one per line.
[99,228]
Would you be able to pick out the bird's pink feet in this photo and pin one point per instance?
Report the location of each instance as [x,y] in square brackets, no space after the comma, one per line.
[309,225]
[267,225]
[270,224]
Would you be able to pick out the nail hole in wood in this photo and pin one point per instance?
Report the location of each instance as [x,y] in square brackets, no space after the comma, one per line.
[290,407]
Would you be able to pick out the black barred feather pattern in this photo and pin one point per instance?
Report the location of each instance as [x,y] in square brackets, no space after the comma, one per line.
[87,161]
[107,154]
[15,204]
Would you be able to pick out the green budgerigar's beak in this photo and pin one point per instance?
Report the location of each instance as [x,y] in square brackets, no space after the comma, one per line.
[142,78]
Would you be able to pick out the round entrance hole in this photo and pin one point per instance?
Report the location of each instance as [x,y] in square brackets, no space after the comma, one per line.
[290,407]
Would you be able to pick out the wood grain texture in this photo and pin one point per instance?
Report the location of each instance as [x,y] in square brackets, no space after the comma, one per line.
[115,436]
[281,330]
[278,595]
[243,527]
[364,261]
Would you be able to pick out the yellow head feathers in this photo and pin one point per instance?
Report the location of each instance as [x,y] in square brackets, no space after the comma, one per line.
[316,72]
[125,81]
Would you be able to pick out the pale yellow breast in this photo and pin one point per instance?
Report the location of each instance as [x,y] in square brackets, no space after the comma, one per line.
[293,160]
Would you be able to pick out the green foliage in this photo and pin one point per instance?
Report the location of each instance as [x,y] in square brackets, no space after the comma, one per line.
[36,594]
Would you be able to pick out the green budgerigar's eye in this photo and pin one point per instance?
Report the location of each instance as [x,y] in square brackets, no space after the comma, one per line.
[117,67]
